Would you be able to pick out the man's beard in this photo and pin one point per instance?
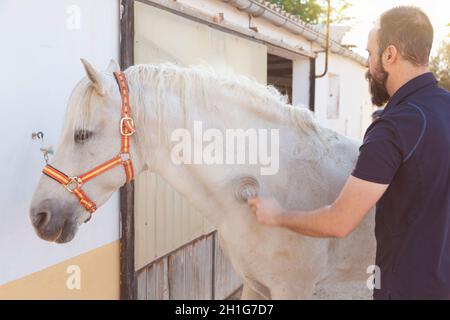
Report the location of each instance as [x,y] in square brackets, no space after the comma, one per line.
[377,85]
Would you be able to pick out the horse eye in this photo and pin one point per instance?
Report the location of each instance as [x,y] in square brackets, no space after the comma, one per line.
[82,135]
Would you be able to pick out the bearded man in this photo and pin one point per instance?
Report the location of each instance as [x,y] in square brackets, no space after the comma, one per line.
[403,167]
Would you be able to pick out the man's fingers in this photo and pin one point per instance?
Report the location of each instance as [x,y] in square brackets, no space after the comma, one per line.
[253,201]
[254,204]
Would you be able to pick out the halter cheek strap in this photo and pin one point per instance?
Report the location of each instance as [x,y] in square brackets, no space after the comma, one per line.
[126,127]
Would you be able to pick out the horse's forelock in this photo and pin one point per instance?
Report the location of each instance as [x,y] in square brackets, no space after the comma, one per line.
[78,114]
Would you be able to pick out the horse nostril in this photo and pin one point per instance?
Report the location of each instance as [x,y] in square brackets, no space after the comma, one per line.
[41,219]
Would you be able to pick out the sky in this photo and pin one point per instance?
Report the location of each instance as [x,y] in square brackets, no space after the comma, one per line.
[367,11]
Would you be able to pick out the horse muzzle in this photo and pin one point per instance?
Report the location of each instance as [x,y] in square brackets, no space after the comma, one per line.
[55,221]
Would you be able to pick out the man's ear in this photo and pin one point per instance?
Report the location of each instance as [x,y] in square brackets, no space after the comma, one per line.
[113,66]
[96,77]
[390,55]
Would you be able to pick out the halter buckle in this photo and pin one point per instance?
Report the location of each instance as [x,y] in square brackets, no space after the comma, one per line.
[125,156]
[130,126]
[74,182]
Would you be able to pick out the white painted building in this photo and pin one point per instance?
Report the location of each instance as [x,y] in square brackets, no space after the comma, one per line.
[44,42]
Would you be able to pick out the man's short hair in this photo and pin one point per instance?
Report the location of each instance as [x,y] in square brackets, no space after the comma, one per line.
[409,30]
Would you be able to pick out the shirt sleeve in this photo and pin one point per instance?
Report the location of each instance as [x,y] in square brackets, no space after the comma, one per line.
[390,141]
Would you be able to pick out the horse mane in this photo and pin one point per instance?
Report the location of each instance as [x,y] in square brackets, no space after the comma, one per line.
[197,80]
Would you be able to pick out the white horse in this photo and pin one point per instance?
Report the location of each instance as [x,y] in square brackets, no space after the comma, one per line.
[314,163]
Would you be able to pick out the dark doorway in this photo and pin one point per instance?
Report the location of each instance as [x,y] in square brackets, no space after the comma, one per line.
[279,74]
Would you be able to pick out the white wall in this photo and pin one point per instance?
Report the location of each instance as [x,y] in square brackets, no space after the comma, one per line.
[40,66]
[355,106]
[300,82]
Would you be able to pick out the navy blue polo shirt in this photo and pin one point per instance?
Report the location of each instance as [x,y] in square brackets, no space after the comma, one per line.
[408,147]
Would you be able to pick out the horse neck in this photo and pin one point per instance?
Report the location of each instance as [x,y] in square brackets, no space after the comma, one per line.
[219,108]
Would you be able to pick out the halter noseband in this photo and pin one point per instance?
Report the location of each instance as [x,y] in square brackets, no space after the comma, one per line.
[126,126]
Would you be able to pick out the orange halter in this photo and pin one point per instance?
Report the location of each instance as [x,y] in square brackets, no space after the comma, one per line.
[126,126]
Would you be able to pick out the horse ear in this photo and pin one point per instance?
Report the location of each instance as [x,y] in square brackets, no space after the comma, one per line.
[95,76]
[113,66]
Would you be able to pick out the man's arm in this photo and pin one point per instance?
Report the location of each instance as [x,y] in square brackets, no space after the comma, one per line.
[387,144]
[339,219]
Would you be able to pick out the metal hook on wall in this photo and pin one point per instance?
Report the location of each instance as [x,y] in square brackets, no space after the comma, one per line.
[39,135]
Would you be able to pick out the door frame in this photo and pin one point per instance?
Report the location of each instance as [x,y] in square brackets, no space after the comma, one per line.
[128,289]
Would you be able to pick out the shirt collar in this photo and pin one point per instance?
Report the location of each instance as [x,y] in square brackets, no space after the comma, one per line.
[410,87]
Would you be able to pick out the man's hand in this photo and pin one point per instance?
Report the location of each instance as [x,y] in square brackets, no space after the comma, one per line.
[267,210]
[335,220]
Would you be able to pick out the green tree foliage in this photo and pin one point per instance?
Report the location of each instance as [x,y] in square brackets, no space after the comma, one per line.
[440,65]
[315,11]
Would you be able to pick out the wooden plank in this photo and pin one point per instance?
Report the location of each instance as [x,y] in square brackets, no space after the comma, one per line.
[128,290]
[141,222]
[162,247]
[226,280]
[194,221]
[190,271]
[198,270]
[202,268]
[142,284]
[179,225]
[157,280]
[127,33]
[151,212]
[169,216]
[164,220]
[145,223]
